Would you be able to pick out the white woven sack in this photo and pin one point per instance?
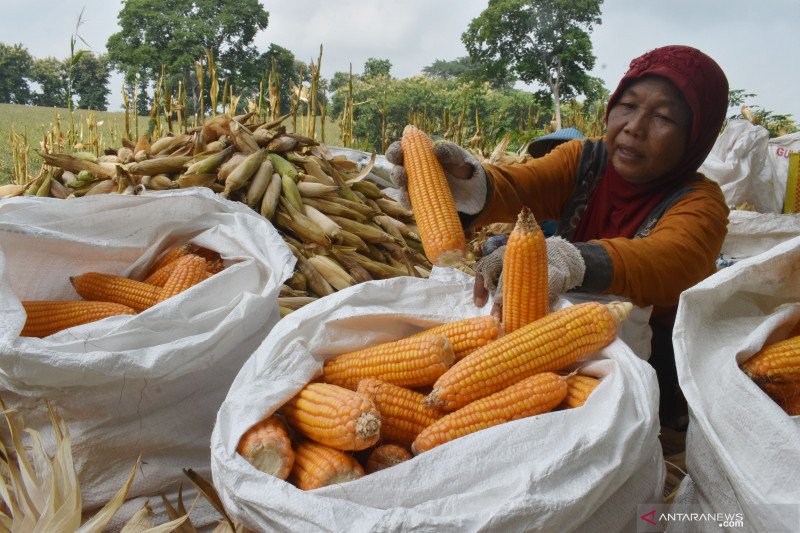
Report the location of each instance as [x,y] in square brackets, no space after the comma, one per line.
[751,233]
[585,468]
[742,449]
[146,384]
[738,162]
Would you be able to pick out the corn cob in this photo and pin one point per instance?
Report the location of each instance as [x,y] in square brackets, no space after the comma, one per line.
[110,288]
[777,362]
[160,276]
[433,204]
[45,317]
[403,416]
[580,387]
[271,196]
[467,335]
[533,395]
[386,455]
[189,271]
[259,183]
[548,344]
[524,274]
[317,465]
[266,446]
[332,272]
[334,416]
[409,362]
[239,177]
[169,256]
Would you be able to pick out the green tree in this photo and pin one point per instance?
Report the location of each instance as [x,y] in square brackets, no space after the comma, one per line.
[377,67]
[50,74]
[16,65]
[90,81]
[448,70]
[538,41]
[176,33]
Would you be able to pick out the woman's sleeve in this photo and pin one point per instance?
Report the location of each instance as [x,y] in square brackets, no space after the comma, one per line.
[543,185]
[680,251]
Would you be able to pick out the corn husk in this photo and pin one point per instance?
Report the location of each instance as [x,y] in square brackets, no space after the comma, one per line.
[239,177]
[259,183]
[332,272]
[271,196]
[159,165]
[76,165]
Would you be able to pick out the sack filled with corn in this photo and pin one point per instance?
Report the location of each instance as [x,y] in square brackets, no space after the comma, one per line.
[148,380]
[739,371]
[513,460]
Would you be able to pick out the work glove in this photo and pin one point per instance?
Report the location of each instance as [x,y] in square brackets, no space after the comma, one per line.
[465,175]
[565,271]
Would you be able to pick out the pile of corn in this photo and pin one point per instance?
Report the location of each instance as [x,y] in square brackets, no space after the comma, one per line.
[776,369]
[381,405]
[106,295]
[342,229]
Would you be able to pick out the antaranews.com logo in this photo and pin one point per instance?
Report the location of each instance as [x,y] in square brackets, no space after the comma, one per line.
[658,517]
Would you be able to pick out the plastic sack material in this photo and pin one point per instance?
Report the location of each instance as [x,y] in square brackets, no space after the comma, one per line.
[738,162]
[751,233]
[581,469]
[778,150]
[742,449]
[146,384]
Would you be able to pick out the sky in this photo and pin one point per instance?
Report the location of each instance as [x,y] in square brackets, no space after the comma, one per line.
[755,43]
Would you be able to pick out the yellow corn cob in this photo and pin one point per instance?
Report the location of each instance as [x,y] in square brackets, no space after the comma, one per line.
[467,335]
[334,416]
[386,455]
[777,362]
[580,387]
[189,271]
[548,344]
[267,447]
[431,199]
[534,395]
[403,415]
[792,406]
[171,255]
[409,362]
[110,288]
[524,274]
[317,465]
[45,317]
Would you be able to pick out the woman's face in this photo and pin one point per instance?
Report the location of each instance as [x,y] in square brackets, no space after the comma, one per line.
[648,129]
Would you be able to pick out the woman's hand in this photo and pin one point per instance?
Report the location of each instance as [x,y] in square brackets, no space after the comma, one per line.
[465,175]
[565,271]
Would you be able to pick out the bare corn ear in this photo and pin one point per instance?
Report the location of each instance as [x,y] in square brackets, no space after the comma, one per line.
[545,345]
[317,465]
[408,362]
[45,317]
[434,208]
[403,415]
[532,396]
[267,447]
[779,361]
[467,335]
[580,388]
[97,286]
[525,294]
[334,416]
[385,456]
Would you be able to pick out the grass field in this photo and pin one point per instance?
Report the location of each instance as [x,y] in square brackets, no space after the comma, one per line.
[36,121]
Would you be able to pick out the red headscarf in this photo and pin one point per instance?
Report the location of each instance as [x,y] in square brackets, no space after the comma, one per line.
[617,208]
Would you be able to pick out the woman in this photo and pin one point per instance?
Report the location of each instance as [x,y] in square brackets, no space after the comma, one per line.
[635,217]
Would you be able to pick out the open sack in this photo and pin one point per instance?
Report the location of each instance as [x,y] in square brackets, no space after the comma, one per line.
[585,468]
[742,449]
[149,383]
